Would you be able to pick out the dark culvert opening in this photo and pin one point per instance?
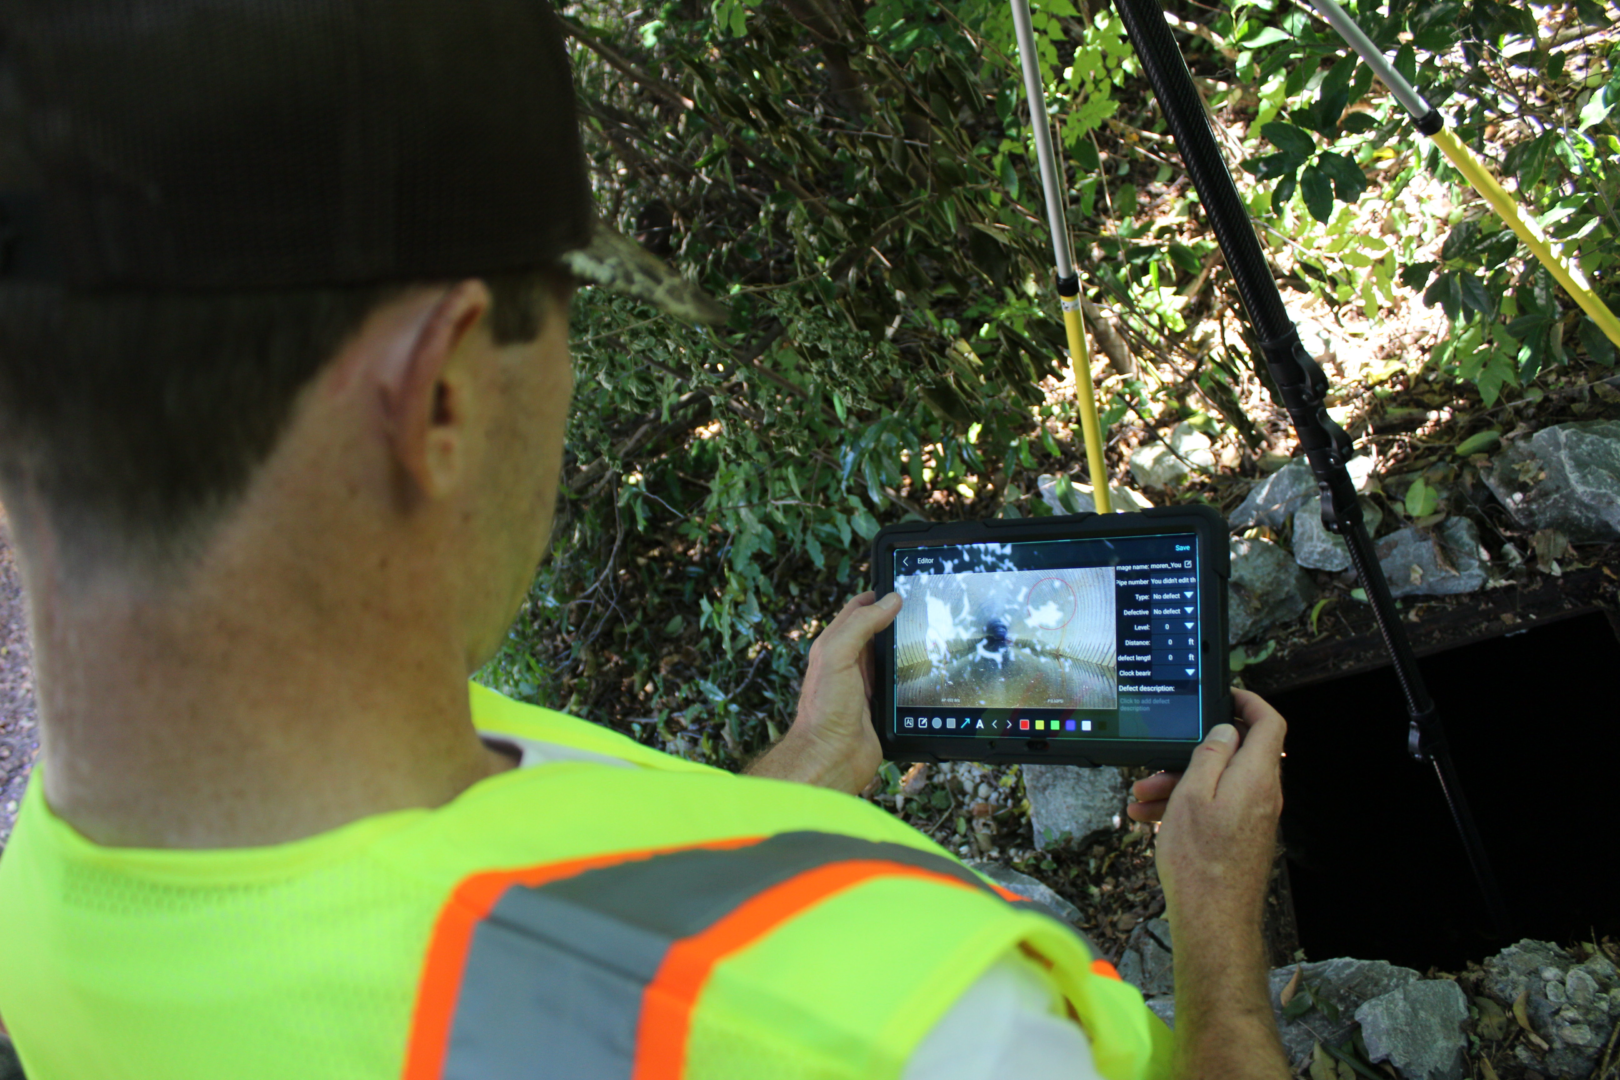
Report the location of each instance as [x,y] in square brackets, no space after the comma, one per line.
[1375,865]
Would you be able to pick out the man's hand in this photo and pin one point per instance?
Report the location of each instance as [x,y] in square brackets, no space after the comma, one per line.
[1214,852]
[1219,831]
[832,743]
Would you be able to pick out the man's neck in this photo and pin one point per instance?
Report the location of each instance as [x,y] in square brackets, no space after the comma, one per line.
[193,719]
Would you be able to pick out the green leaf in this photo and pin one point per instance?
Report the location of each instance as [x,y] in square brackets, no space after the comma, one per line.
[1438,37]
[1183,256]
[1421,499]
[1591,13]
[1447,292]
[1317,190]
[864,523]
[1357,123]
[675,626]
[1498,370]
[1316,611]
[1348,179]
[1417,275]
[1289,139]
[1596,109]
[1596,343]
[1299,1006]
[1527,325]
[1273,165]
[1460,241]
[1009,177]
[1085,156]
[1528,160]
[1481,442]
[1284,191]
[1475,296]
[1269,35]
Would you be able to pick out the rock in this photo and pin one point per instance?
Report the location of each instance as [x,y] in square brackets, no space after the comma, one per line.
[1439,562]
[10,1067]
[1418,1029]
[1148,961]
[1342,983]
[1317,549]
[1279,497]
[1027,887]
[1267,587]
[1272,501]
[1154,465]
[1165,1009]
[1565,477]
[1571,1006]
[1124,500]
[1065,801]
[1510,971]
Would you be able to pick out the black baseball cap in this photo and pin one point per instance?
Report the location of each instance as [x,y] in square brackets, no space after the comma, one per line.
[254,144]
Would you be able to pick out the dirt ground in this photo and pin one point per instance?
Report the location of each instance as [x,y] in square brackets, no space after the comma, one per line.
[19,727]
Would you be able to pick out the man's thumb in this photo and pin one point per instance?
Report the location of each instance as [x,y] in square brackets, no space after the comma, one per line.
[1210,760]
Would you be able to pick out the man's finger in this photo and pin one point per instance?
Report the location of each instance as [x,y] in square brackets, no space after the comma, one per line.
[1147,812]
[1208,762]
[856,625]
[855,604]
[1263,742]
[1155,787]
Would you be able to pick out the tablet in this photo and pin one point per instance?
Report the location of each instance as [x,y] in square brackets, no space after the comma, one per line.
[1087,639]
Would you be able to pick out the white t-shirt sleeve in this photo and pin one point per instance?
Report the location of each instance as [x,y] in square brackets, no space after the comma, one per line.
[1005,1027]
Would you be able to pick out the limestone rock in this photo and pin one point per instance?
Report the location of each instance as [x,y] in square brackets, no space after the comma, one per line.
[1565,477]
[1571,1006]
[1272,501]
[1123,499]
[1317,549]
[1267,587]
[1418,1029]
[1165,1009]
[1437,562]
[1343,983]
[1154,465]
[1066,801]
[1027,887]
[1148,963]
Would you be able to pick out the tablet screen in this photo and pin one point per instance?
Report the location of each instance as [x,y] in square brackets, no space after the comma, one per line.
[1095,638]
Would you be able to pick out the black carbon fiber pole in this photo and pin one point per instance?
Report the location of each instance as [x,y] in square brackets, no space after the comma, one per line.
[1303,388]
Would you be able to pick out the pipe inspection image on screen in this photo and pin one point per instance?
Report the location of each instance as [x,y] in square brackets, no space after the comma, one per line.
[1015,639]
[1086,638]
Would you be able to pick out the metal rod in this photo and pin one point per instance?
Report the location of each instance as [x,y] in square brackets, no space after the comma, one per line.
[1303,388]
[1068,283]
[1431,122]
[1043,139]
[1404,92]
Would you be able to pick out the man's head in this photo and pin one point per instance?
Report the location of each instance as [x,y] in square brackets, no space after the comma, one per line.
[225,219]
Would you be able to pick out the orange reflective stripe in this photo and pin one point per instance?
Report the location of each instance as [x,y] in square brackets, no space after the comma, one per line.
[472,901]
[666,1013]
[1105,969]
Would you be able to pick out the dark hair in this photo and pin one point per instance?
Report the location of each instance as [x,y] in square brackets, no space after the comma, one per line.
[140,417]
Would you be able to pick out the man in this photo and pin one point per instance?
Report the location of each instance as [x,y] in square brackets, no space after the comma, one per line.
[283,384]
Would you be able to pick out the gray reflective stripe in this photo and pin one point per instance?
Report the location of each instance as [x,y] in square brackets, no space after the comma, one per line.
[554,975]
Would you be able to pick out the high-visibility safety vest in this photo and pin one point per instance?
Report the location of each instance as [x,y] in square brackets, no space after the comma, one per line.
[613,913]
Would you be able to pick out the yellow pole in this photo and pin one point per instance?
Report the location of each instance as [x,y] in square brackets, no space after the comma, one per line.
[1090,427]
[1569,275]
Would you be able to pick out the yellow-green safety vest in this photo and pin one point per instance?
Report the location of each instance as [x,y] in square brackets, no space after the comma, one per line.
[623,914]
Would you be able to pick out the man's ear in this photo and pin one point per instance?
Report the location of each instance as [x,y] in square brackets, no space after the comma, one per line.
[427,392]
